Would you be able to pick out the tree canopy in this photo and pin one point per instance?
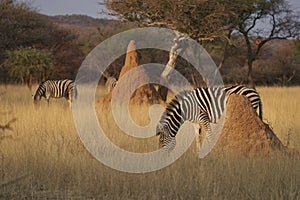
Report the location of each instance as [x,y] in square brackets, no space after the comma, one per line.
[257,21]
[199,19]
[24,62]
[20,25]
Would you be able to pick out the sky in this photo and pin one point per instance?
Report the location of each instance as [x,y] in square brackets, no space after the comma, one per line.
[63,7]
[87,7]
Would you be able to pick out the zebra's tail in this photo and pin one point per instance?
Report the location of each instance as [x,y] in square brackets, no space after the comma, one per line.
[260,112]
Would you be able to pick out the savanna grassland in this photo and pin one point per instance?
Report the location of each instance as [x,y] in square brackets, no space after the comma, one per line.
[43,158]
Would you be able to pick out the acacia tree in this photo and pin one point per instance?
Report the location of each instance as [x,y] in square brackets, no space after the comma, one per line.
[207,20]
[24,62]
[263,21]
[199,19]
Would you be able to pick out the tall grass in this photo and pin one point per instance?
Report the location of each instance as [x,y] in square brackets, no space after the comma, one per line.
[44,158]
[281,106]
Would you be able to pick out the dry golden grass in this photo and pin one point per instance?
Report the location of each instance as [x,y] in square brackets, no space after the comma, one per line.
[45,159]
[281,111]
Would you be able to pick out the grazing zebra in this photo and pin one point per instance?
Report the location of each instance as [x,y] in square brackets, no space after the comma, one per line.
[201,106]
[56,89]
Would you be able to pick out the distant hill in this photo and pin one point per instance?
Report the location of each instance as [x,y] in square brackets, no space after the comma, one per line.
[88,28]
[81,20]
[81,25]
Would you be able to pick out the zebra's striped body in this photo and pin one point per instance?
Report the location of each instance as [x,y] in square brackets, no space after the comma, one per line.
[56,89]
[201,106]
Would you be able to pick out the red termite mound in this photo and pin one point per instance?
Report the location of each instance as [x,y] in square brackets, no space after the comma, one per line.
[143,96]
[245,134]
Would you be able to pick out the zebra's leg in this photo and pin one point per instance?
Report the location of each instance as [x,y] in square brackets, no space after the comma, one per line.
[197,129]
[70,103]
[70,99]
[206,134]
[200,138]
[48,95]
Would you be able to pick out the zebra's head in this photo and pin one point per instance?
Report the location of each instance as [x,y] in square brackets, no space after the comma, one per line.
[40,92]
[36,98]
[166,141]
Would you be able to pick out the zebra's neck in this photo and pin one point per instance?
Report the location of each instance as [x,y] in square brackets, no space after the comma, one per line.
[41,90]
[210,102]
[172,117]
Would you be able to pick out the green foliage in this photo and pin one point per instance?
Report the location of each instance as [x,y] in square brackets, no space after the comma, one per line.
[24,62]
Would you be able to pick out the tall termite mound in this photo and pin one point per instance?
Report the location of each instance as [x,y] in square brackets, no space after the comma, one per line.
[145,94]
[244,133]
[142,97]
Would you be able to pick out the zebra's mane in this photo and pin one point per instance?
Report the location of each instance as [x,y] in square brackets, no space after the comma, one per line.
[41,86]
[43,82]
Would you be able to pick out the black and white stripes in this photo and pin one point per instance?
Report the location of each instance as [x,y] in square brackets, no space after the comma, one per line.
[56,89]
[201,106]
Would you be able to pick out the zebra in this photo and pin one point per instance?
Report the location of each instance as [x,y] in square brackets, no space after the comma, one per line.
[201,106]
[56,89]
[111,82]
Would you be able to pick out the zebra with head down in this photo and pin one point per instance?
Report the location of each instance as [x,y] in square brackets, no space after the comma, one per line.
[202,106]
[56,89]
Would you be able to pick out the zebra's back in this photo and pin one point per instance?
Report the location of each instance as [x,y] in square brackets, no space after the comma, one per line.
[250,93]
[212,101]
[60,88]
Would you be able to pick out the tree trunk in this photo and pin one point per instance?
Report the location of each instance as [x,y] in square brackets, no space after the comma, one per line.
[284,80]
[30,81]
[22,79]
[251,59]
[250,75]
[163,92]
[224,57]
